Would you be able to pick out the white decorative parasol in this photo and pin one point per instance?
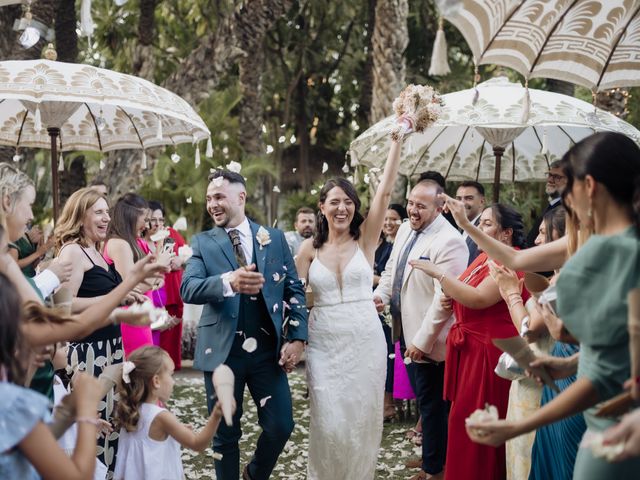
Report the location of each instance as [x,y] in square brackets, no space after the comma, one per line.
[490,141]
[68,106]
[593,43]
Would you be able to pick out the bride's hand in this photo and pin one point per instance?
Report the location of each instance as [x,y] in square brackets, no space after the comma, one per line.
[457,209]
[427,266]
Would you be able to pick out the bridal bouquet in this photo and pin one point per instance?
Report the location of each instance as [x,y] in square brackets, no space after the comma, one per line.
[417,107]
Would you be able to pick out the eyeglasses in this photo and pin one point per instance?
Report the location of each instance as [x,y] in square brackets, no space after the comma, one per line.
[157,221]
[555,177]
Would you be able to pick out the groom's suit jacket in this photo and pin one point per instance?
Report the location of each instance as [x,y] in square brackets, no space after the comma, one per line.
[202,284]
[424,323]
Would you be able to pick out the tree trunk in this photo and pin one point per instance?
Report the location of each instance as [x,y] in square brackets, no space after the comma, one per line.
[74,176]
[390,39]
[66,35]
[366,79]
[143,66]
[143,58]
[559,86]
[10,48]
[302,134]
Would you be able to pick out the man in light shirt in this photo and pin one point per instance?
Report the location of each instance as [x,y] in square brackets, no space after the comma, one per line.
[304,227]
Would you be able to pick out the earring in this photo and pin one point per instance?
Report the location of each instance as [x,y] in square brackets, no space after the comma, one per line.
[590,212]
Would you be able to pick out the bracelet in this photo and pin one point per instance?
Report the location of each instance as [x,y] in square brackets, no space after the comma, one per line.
[515,302]
[90,420]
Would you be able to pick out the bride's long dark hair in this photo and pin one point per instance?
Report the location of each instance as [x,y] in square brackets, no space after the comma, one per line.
[322,231]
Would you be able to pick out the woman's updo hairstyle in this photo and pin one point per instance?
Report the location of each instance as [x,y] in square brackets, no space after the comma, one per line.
[508,217]
[322,230]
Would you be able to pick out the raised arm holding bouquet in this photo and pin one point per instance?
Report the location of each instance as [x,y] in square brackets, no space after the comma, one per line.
[346,428]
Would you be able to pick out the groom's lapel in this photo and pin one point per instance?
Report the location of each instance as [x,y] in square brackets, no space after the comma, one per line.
[222,239]
[260,252]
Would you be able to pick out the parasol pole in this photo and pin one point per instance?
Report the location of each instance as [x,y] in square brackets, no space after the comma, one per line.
[54,133]
[498,152]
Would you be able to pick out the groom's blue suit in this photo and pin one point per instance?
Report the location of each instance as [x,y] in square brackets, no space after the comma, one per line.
[227,321]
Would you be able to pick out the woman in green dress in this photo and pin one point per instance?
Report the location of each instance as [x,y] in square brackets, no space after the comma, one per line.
[603,172]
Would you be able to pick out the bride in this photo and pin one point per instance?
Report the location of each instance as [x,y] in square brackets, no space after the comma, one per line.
[347,353]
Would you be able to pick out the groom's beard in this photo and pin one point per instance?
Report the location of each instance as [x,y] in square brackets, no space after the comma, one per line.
[222,220]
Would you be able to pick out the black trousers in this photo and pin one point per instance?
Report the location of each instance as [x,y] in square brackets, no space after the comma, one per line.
[427,381]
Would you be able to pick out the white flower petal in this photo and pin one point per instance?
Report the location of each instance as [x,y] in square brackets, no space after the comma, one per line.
[250,345]
[293,301]
[294,323]
[325,167]
[407,360]
[392,356]
[276,189]
[263,401]
[314,191]
[208,351]
[189,199]
[276,277]
[293,170]
[217,456]
[217,182]
[234,167]
[275,307]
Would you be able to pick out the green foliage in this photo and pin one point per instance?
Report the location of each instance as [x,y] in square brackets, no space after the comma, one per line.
[313,77]
[292,203]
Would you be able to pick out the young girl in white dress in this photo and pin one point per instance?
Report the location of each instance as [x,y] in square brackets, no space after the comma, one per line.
[150,435]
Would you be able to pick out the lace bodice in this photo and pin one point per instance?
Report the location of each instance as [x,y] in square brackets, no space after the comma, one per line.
[355,284]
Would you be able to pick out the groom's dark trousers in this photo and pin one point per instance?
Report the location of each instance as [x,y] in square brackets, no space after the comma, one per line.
[259,371]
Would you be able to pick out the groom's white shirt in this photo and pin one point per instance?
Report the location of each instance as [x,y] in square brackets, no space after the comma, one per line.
[424,323]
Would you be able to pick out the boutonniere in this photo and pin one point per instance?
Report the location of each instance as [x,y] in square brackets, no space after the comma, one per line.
[262,237]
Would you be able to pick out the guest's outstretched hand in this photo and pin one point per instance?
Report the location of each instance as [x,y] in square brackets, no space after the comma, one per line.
[147,268]
[427,266]
[627,432]
[507,280]
[493,433]
[457,209]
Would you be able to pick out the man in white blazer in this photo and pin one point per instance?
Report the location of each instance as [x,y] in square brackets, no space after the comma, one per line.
[419,321]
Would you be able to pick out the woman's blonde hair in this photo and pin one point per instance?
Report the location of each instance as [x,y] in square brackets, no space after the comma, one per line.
[13,182]
[149,361]
[69,226]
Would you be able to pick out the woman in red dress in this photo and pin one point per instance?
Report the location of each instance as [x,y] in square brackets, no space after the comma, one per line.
[169,296]
[470,382]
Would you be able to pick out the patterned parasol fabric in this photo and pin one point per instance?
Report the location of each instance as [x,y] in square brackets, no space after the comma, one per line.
[95,109]
[461,144]
[593,43]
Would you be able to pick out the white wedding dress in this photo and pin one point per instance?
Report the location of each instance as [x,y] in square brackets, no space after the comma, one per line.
[346,369]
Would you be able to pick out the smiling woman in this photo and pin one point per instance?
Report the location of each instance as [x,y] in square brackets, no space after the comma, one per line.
[81,228]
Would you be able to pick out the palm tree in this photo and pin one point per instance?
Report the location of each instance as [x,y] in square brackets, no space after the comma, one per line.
[390,39]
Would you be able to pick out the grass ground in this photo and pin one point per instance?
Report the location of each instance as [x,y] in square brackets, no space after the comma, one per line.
[188,403]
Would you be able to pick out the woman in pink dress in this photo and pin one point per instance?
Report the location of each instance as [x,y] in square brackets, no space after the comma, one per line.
[128,220]
[470,381]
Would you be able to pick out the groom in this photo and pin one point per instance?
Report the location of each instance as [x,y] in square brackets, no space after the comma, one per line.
[244,273]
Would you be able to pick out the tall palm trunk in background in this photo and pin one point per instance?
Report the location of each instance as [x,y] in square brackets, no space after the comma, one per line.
[390,39]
